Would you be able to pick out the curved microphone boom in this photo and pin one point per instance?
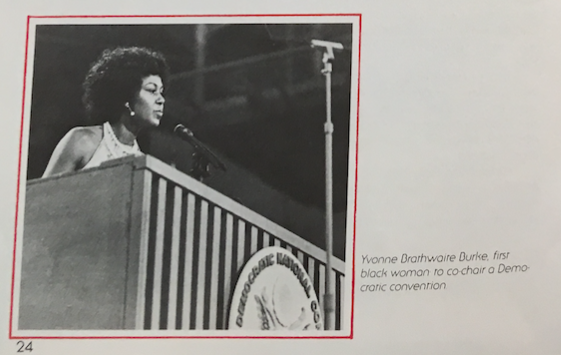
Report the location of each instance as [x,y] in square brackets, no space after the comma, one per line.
[188,136]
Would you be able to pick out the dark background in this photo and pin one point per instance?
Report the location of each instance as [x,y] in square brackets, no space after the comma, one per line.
[253,93]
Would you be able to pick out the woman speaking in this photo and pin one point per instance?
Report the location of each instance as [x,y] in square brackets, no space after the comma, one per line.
[123,94]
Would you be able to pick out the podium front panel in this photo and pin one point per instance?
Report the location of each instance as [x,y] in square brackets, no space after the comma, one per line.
[198,241]
[75,239]
[136,244]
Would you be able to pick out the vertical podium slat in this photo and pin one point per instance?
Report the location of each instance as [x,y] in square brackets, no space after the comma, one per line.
[341,308]
[228,251]
[332,292]
[213,299]
[289,249]
[254,236]
[311,270]
[241,244]
[321,288]
[174,267]
[188,266]
[202,301]
[146,191]
[266,241]
[159,254]
[300,256]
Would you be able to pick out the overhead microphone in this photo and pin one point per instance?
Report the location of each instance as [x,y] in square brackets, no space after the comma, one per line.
[277,33]
[187,135]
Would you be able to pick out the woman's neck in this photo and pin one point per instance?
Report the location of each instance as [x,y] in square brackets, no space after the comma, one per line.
[124,133]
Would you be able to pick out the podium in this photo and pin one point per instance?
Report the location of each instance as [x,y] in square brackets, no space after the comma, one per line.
[137,244]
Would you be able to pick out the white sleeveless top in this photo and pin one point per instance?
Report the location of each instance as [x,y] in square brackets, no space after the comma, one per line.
[110,148]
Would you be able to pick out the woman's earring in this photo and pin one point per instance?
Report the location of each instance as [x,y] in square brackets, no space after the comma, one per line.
[131,112]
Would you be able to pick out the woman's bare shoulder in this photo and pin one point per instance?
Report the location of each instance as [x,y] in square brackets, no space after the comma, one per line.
[83,142]
[74,150]
[88,136]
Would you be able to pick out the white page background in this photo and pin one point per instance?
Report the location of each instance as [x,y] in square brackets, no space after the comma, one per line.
[459,150]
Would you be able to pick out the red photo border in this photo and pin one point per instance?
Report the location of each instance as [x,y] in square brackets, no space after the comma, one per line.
[350,336]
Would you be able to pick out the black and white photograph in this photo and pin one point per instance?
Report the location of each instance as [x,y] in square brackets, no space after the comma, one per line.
[188,175]
[296,177]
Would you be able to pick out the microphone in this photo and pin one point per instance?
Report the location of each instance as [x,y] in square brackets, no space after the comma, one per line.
[188,136]
[328,55]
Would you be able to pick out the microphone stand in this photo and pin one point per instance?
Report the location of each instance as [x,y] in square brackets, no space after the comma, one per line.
[200,169]
[328,298]
[202,157]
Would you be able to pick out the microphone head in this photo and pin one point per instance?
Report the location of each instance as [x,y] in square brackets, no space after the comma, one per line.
[181,129]
[178,128]
[186,134]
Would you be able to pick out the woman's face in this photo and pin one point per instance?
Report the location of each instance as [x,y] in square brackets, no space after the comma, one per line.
[148,106]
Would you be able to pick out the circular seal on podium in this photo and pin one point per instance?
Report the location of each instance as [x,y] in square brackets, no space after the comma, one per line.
[274,292]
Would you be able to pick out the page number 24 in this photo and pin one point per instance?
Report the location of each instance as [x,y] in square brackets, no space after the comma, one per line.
[23,347]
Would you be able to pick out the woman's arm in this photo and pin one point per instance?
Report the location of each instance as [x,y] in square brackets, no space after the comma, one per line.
[74,150]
